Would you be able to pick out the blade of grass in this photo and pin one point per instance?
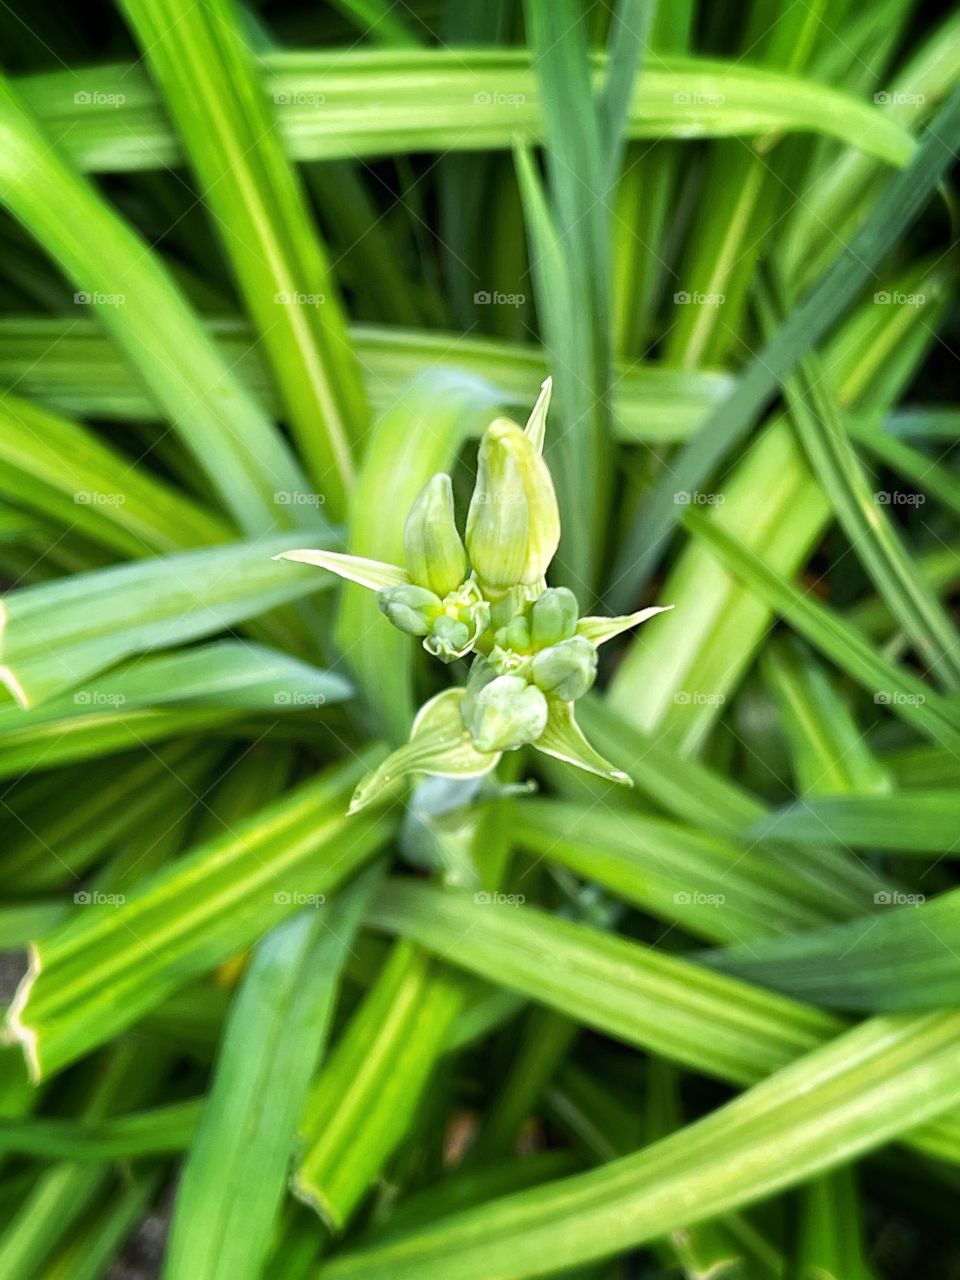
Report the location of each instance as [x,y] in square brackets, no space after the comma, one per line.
[273,1039]
[211,86]
[234,443]
[894,212]
[110,964]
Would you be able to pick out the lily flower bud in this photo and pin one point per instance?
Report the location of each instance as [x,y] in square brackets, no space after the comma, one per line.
[513,525]
[505,714]
[553,617]
[410,608]
[565,670]
[435,555]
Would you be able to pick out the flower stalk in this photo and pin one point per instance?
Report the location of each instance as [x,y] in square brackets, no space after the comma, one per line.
[485,594]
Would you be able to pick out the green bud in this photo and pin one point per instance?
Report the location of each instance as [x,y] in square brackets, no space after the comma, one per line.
[462,618]
[566,670]
[435,556]
[513,525]
[505,714]
[515,635]
[411,609]
[449,638]
[554,617]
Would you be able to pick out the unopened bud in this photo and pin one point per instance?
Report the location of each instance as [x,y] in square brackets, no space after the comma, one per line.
[505,714]
[554,617]
[566,670]
[513,525]
[412,609]
[435,556]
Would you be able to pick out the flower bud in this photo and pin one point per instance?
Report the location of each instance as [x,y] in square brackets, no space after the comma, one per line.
[435,556]
[515,635]
[505,714]
[554,617]
[411,609]
[513,525]
[565,670]
[462,618]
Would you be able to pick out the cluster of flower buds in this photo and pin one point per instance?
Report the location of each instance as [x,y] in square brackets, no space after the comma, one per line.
[486,594]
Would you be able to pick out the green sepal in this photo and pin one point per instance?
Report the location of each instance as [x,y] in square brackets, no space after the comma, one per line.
[439,744]
[374,574]
[599,630]
[564,740]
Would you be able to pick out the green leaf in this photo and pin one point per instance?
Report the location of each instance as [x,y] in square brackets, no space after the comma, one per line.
[910,822]
[210,82]
[235,1175]
[61,469]
[112,962]
[364,1099]
[634,993]
[901,958]
[825,302]
[222,428]
[385,102]
[368,573]
[56,635]
[883,1078]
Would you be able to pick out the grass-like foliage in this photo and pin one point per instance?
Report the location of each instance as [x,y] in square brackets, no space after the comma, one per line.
[380,901]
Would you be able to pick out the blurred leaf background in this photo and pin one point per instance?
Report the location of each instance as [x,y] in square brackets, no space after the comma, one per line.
[268,267]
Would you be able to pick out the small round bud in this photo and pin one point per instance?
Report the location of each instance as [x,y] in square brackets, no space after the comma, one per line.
[515,635]
[411,609]
[566,670]
[513,525]
[554,616]
[504,714]
[434,554]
